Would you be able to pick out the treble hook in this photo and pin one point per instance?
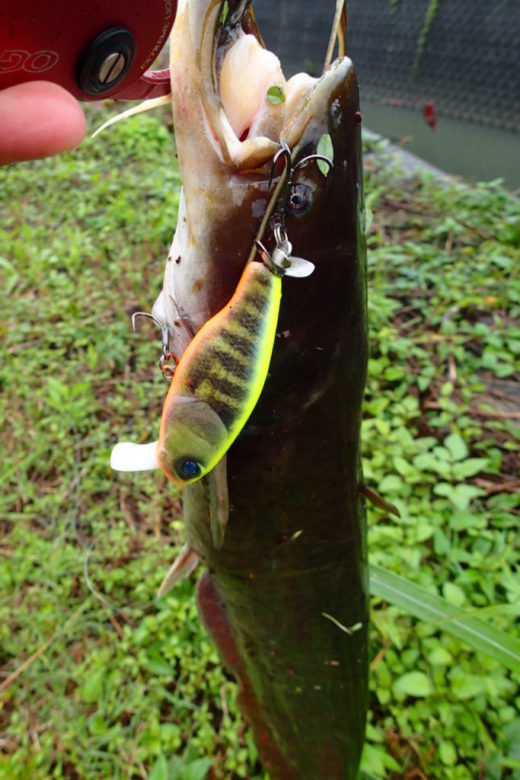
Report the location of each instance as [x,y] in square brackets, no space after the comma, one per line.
[280,262]
[284,151]
[168,360]
[313,157]
[165,331]
[285,184]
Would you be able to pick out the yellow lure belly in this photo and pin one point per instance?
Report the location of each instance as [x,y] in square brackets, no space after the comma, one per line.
[219,379]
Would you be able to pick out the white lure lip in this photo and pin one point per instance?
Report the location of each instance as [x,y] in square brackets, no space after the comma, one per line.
[127,456]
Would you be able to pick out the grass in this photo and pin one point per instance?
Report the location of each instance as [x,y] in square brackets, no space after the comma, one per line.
[119,685]
[441,436]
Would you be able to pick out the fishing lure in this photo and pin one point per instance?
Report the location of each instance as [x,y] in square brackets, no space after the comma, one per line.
[216,384]
[220,377]
[219,380]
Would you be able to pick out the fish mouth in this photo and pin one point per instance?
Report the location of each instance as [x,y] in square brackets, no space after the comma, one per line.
[232,110]
[248,107]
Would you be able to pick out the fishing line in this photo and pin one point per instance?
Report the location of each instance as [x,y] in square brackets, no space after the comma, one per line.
[274,198]
[339,32]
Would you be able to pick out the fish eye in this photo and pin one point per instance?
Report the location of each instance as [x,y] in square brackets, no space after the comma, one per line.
[299,200]
[187,468]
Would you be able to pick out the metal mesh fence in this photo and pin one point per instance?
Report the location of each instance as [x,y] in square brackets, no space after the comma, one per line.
[470,68]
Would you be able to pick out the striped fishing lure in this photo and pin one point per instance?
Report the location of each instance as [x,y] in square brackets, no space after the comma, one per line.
[220,378]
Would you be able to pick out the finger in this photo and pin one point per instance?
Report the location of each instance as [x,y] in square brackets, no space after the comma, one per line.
[38,119]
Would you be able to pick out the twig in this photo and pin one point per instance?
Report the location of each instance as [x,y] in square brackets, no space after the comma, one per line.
[131,760]
[379,657]
[510,486]
[32,658]
[116,625]
[128,512]
[416,774]
[505,415]
[480,412]
[452,369]
[223,701]
[101,598]
[449,244]
[71,487]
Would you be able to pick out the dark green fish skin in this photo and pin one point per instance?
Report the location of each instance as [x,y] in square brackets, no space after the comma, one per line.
[294,554]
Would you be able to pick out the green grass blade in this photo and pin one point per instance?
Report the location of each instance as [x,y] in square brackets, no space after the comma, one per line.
[480,636]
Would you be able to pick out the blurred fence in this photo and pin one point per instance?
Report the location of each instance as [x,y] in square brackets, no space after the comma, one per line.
[470,68]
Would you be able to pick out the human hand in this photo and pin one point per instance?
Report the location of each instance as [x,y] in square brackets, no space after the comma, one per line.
[38,119]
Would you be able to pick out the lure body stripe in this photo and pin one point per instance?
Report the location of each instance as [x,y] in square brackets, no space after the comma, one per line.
[226,363]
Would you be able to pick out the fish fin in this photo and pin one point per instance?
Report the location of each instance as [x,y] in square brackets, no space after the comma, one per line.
[377,500]
[134,457]
[185,563]
[146,105]
[219,502]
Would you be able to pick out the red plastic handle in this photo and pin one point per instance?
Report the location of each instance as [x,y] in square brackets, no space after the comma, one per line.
[95,50]
[152,84]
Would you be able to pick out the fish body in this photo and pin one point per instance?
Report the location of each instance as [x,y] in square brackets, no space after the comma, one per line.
[294,548]
[285,594]
[219,378]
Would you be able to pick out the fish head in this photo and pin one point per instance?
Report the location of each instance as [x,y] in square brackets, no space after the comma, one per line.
[232,103]
[324,220]
[192,440]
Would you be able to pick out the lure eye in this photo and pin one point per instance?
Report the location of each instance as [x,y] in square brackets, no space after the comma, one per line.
[300,199]
[188,469]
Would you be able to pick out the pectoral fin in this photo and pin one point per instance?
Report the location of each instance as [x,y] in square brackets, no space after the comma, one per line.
[134,457]
[185,563]
[376,500]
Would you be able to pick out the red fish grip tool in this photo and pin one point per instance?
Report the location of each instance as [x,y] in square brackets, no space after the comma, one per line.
[95,50]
